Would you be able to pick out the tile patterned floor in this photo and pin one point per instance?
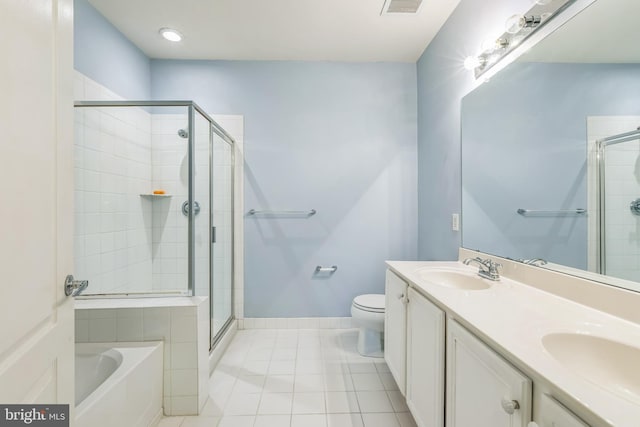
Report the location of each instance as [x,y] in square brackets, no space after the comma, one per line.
[299,378]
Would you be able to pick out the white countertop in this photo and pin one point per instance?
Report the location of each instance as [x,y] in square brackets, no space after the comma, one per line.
[513,317]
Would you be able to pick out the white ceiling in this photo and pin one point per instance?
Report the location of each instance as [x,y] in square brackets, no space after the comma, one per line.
[309,30]
[605,32]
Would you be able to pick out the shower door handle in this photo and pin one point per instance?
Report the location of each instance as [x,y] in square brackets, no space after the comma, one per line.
[635,207]
[213,234]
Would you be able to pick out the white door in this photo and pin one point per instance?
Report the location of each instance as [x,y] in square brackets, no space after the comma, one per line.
[425,361]
[36,212]
[395,328]
[483,390]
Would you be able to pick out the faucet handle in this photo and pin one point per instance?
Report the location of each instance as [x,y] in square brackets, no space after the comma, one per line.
[494,267]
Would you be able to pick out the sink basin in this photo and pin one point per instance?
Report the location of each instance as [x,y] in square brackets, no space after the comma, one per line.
[612,365]
[454,279]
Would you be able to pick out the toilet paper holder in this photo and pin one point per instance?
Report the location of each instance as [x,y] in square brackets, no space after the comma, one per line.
[330,270]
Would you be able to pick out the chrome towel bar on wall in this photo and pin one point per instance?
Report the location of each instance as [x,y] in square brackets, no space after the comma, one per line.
[561,212]
[282,213]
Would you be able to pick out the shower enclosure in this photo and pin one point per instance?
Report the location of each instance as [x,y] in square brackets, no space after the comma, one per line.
[154,203]
[618,199]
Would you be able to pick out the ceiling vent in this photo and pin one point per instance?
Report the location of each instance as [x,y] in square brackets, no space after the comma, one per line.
[400,6]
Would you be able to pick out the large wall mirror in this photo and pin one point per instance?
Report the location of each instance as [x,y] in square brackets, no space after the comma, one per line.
[551,150]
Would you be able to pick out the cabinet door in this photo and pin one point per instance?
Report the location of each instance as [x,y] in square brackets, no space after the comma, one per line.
[553,414]
[425,361]
[483,390]
[395,328]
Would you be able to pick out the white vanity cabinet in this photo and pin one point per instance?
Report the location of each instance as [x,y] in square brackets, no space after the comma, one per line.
[483,390]
[395,328]
[425,361]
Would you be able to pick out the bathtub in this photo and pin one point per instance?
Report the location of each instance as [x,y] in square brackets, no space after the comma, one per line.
[118,384]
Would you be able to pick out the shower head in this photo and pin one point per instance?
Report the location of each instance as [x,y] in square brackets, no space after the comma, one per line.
[182,133]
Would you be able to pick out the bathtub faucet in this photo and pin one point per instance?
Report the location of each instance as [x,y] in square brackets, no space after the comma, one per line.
[74,287]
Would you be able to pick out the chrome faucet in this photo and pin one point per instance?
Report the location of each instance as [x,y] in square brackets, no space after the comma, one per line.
[534,261]
[487,268]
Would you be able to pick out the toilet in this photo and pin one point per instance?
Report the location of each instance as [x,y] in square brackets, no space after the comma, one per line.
[367,312]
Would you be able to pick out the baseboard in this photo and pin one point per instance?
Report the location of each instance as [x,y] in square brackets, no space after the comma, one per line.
[295,323]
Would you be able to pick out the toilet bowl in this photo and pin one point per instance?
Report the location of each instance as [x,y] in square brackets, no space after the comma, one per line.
[367,312]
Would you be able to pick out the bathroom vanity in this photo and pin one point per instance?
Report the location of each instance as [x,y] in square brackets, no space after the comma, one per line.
[511,352]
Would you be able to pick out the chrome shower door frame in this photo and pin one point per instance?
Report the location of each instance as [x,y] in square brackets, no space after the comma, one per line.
[218,130]
[601,146]
[214,127]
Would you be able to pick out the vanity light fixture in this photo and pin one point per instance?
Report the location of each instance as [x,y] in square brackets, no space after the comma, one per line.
[170,34]
[517,29]
[517,23]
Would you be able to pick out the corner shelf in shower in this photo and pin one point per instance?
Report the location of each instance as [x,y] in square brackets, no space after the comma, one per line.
[156,196]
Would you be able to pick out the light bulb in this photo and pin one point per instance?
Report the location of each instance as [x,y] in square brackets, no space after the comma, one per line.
[471,63]
[170,34]
[514,24]
[488,45]
[541,2]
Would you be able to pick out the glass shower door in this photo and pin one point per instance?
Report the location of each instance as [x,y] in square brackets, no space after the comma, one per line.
[131,179]
[222,246]
[154,214]
[619,198]
[201,199]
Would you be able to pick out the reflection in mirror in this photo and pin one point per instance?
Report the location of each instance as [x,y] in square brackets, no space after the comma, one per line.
[533,184]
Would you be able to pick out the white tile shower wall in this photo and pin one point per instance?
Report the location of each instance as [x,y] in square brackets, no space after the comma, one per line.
[622,240]
[170,226]
[202,191]
[185,332]
[112,167]
[170,173]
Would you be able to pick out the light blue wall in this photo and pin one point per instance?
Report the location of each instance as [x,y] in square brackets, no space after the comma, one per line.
[442,82]
[105,55]
[336,137]
[525,146]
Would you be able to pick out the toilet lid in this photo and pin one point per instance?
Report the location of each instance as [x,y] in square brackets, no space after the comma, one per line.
[370,302]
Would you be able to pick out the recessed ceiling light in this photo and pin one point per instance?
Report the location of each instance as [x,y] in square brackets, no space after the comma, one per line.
[170,34]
